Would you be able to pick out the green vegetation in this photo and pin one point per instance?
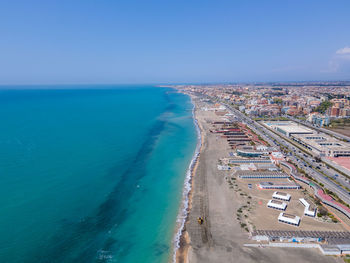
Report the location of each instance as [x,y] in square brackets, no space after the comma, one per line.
[322,211]
[277,101]
[243,225]
[334,220]
[267,118]
[347,259]
[317,201]
[323,106]
[301,118]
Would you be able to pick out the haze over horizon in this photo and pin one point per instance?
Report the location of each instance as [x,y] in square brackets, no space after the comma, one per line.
[88,42]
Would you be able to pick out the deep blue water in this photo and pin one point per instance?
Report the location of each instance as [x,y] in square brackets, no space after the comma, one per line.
[92,175]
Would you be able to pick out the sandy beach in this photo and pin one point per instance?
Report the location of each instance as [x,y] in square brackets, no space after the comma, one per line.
[221,238]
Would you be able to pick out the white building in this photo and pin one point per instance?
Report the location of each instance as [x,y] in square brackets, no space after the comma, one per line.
[289,219]
[309,210]
[277,205]
[288,128]
[281,196]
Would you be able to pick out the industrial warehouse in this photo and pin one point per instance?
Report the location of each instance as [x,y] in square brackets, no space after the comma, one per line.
[320,144]
[288,128]
[323,145]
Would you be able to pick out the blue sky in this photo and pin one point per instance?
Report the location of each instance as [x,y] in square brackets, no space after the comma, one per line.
[178,41]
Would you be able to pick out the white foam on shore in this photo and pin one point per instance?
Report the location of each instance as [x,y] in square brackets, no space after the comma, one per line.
[183,213]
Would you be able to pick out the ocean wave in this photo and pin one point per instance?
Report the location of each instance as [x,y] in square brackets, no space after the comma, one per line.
[182,216]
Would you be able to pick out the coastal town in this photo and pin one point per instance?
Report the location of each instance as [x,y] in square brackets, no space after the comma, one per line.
[272,177]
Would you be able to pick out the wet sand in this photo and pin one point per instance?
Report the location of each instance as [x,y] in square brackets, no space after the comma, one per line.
[221,238]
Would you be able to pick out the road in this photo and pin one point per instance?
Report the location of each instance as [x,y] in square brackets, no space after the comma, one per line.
[303,160]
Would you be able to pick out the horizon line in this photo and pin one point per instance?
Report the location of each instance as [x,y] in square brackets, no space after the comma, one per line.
[173,83]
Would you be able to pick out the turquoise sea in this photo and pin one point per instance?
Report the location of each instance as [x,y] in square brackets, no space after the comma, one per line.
[92,174]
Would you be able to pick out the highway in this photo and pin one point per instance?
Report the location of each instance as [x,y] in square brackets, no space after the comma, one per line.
[303,160]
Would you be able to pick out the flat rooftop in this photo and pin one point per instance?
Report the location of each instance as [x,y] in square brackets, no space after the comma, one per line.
[289,216]
[289,127]
[322,142]
[276,202]
[282,193]
[311,207]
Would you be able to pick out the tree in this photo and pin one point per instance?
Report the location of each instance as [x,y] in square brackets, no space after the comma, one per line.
[323,106]
[322,211]
[277,101]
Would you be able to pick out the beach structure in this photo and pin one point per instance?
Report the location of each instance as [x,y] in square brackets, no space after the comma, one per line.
[234,134]
[277,205]
[222,123]
[276,157]
[329,242]
[300,236]
[250,160]
[240,140]
[330,250]
[260,175]
[289,219]
[228,130]
[223,167]
[271,185]
[310,209]
[266,166]
[250,151]
[248,167]
[281,196]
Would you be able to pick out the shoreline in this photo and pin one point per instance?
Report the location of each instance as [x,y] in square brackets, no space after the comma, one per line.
[181,238]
